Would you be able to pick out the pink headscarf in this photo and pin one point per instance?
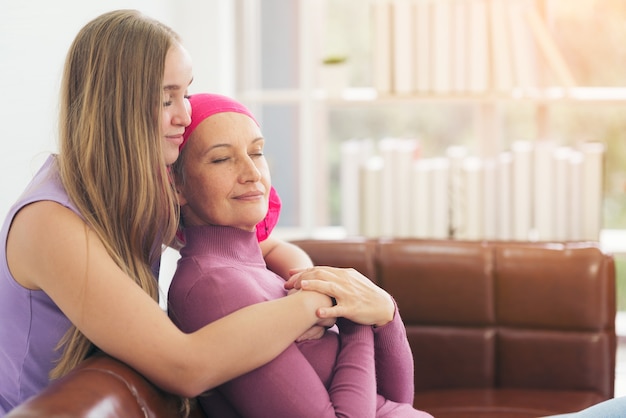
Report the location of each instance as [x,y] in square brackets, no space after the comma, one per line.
[204,105]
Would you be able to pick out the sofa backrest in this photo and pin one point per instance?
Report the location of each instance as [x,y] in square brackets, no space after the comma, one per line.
[485,314]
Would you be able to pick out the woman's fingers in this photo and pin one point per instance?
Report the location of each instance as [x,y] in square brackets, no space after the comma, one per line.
[314,333]
[358,298]
[294,279]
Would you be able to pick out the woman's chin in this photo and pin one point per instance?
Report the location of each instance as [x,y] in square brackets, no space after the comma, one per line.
[170,156]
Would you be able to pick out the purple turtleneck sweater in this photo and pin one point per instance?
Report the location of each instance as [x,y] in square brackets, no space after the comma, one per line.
[358,372]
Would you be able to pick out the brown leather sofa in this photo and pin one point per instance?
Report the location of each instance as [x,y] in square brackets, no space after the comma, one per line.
[497,329]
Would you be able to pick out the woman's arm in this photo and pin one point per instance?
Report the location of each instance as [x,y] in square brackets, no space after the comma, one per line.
[394,362]
[282,256]
[289,387]
[50,248]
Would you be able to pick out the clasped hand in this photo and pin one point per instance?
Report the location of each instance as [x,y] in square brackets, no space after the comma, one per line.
[358,298]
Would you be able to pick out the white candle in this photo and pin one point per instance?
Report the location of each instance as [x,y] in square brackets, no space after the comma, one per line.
[576,196]
[522,189]
[371,197]
[439,199]
[354,152]
[505,196]
[490,187]
[473,182]
[593,156]
[456,155]
[562,195]
[420,226]
[543,177]
[405,151]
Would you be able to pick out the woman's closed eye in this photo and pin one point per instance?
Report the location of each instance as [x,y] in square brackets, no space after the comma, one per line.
[170,101]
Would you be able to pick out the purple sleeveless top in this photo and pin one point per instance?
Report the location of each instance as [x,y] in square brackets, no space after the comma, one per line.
[31,325]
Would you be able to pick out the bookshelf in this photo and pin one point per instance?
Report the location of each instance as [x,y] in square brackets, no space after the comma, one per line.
[538,78]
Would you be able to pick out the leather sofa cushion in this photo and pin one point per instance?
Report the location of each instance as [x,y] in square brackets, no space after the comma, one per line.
[509,403]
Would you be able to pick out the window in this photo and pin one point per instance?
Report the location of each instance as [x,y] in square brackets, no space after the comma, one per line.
[286,42]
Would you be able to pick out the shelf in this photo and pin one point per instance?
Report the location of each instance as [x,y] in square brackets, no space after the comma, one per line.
[303,114]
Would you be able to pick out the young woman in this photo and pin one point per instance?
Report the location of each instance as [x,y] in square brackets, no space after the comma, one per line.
[80,245]
[223,184]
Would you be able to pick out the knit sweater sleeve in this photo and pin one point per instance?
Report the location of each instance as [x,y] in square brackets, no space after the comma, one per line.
[288,385]
[394,361]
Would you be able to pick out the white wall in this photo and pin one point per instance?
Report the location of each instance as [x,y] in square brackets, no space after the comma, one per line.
[34,38]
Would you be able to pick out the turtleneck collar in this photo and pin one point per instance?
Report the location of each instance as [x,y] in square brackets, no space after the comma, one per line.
[222,241]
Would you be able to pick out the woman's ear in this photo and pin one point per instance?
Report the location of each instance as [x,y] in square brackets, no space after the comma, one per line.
[179,189]
[182,201]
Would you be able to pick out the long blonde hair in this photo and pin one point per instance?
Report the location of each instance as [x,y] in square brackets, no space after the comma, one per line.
[111,161]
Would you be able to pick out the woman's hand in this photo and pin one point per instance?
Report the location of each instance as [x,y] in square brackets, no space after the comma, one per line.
[357,297]
[316,331]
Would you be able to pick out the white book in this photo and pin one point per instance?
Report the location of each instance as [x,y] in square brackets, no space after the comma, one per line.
[478,65]
[460,56]
[403,49]
[422,44]
[522,47]
[501,56]
[442,46]
[551,53]
[381,45]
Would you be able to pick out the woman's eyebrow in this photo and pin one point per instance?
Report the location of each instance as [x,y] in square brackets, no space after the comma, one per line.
[206,151]
[170,87]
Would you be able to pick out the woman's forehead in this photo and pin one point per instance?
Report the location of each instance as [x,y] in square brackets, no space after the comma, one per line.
[178,73]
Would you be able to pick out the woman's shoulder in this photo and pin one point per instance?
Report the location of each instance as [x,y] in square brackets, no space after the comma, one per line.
[38,218]
[192,274]
[40,229]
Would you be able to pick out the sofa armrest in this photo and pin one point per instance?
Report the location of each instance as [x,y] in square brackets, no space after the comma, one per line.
[101,387]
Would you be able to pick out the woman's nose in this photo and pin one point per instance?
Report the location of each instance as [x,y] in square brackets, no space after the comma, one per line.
[183,116]
[250,172]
